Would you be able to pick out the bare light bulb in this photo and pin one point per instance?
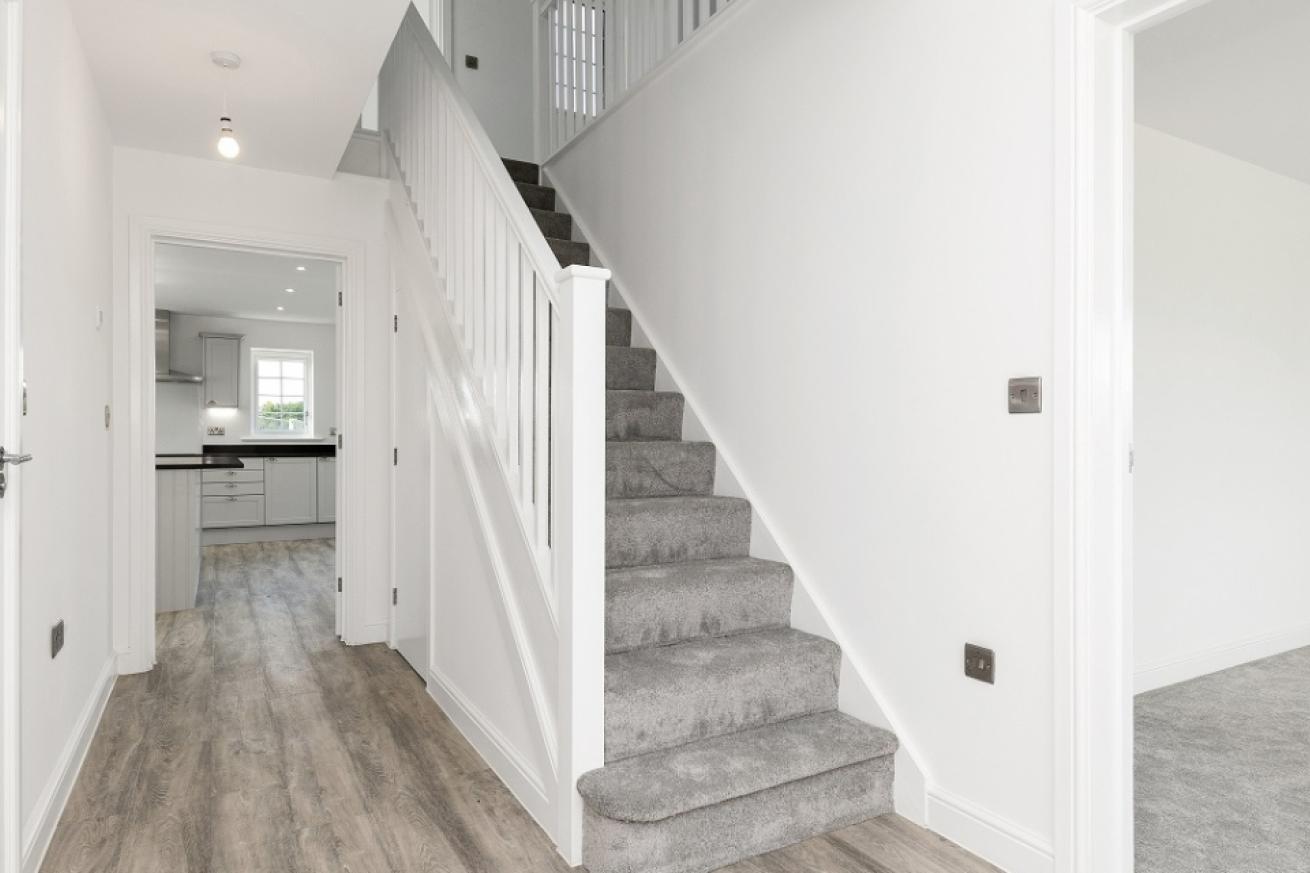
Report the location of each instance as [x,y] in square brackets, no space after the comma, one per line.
[228,146]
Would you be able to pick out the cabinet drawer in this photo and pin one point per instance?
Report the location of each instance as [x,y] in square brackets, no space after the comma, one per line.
[229,489]
[253,463]
[233,511]
[209,476]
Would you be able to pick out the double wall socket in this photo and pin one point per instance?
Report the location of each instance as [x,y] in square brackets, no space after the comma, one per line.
[216,430]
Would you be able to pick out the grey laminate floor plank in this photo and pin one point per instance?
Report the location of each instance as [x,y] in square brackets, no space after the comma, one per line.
[260,744]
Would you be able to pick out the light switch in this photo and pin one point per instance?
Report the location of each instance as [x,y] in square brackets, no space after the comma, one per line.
[1025,395]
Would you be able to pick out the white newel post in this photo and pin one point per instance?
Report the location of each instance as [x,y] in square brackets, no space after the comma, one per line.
[578,547]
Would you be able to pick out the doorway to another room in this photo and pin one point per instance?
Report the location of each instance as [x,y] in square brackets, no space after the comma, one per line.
[246,400]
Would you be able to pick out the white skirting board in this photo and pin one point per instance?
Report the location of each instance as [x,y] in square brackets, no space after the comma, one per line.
[1012,848]
[507,762]
[1219,658]
[38,833]
[220,536]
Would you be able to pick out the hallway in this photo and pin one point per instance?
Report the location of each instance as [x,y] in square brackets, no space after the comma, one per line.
[260,744]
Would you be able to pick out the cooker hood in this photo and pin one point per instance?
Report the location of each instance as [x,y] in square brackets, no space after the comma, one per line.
[163,331]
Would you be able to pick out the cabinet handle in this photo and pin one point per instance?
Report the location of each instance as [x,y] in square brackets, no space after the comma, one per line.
[231,499]
[270,460]
[231,484]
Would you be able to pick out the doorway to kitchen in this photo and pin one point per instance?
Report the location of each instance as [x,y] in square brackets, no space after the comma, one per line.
[246,427]
[284,391]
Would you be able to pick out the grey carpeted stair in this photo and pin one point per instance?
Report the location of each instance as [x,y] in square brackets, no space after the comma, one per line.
[555,225]
[662,530]
[722,735]
[630,368]
[643,415]
[671,603]
[664,696]
[618,327]
[660,468]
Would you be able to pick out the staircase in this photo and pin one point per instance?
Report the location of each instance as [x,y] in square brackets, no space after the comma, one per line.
[722,735]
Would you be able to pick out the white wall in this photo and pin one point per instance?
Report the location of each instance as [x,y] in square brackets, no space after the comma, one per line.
[499,34]
[1222,411]
[188,356]
[836,229]
[227,196]
[66,259]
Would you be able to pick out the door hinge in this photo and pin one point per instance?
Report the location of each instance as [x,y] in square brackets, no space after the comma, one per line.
[395,457]
[395,324]
[340,442]
[395,596]
[338,584]
[1132,458]
[339,297]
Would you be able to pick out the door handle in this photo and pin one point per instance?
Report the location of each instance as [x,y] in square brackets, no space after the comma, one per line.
[6,458]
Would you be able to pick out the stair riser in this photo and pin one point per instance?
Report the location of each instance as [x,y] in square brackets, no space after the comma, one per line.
[618,327]
[555,225]
[630,369]
[538,197]
[715,836]
[719,701]
[643,416]
[667,469]
[676,532]
[641,613]
[570,253]
[522,171]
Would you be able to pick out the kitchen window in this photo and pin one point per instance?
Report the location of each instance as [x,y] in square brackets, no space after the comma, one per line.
[283,392]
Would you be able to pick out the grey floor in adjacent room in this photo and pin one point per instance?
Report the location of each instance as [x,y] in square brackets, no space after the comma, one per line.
[260,744]
[1223,771]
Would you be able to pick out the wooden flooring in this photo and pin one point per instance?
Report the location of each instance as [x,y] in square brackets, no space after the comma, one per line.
[260,744]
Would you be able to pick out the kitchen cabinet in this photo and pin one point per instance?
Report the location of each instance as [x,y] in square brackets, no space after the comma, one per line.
[327,490]
[177,539]
[222,358]
[233,498]
[290,490]
[243,510]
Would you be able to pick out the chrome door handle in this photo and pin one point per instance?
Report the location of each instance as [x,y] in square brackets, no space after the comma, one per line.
[6,458]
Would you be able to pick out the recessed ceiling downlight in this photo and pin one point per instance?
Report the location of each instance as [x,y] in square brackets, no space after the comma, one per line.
[301,268]
[291,290]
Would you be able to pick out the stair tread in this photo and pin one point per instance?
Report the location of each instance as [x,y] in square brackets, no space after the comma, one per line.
[522,171]
[662,784]
[662,697]
[667,604]
[629,368]
[643,414]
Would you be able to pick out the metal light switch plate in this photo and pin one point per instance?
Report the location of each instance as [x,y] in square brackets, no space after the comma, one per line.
[1026,395]
[980,663]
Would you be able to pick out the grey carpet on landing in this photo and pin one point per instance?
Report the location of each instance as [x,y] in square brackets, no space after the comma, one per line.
[1223,771]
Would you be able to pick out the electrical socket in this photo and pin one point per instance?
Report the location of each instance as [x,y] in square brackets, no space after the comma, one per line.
[980,663]
[216,430]
[56,638]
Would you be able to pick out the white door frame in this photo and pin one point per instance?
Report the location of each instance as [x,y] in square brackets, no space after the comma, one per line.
[134,446]
[11,33]
[1093,429]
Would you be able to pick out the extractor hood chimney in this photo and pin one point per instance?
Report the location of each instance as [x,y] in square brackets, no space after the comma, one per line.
[163,331]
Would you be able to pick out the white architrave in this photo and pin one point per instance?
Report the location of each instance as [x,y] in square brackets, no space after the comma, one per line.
[133,452]
[1093,429]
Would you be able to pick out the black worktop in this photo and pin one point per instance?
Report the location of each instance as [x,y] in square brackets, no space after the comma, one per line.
[197,462]
[271,450]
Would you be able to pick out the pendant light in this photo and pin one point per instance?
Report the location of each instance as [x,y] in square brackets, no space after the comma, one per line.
[228,146]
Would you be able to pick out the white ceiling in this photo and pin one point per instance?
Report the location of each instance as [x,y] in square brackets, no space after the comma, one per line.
[1234,76]
[198,280]
[308,67]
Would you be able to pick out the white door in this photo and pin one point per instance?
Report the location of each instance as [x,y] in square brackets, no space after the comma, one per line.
[411,617]
[10,416]
[290,490]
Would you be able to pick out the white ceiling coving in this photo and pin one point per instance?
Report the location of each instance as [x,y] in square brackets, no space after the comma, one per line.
[200,280]
[307,69]
[1233,76]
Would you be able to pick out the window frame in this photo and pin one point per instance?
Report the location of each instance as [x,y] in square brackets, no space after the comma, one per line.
[305,356]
